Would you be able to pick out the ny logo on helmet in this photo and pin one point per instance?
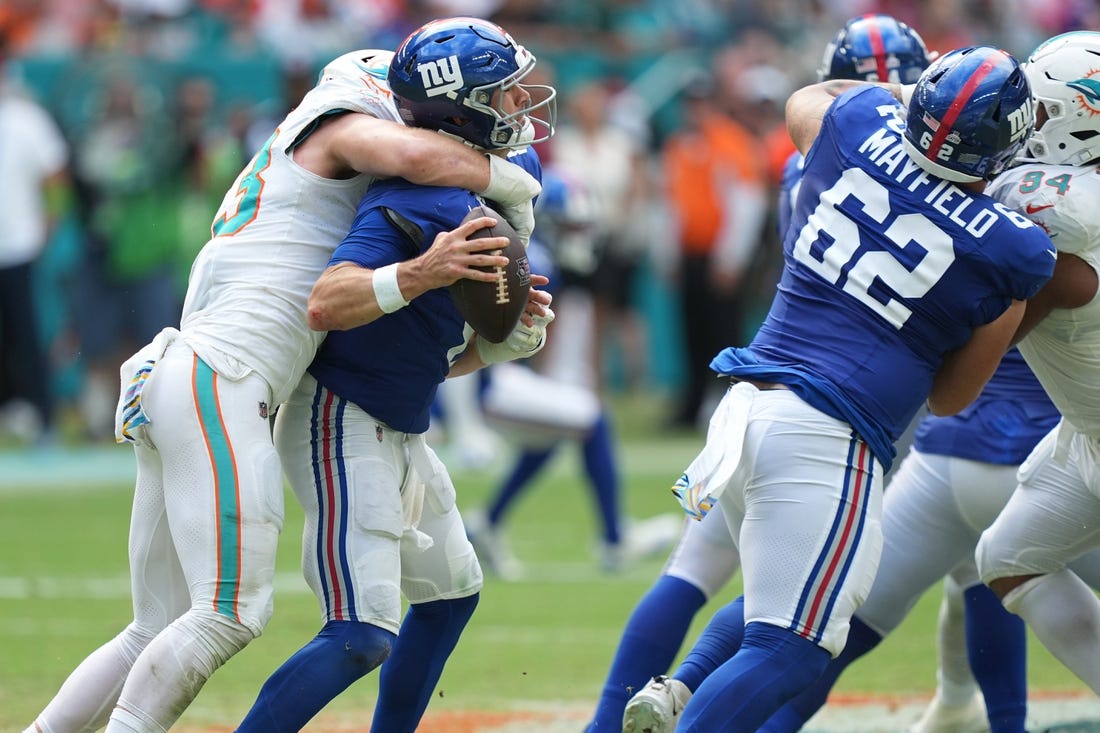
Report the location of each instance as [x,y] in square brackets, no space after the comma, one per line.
[442,76]
[1019,121]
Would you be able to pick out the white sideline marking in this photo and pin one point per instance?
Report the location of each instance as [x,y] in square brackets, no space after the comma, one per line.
[66,469]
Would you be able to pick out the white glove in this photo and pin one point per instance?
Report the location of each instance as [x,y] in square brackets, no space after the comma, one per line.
[521,217]
[511,189]
[523,342]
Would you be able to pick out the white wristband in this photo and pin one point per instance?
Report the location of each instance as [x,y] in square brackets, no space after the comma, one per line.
[387,293]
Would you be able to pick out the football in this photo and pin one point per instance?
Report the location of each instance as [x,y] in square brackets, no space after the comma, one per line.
[493,308]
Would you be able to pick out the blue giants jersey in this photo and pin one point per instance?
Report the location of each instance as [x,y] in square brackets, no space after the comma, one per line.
[392,366]
[1009,417]
[886,269]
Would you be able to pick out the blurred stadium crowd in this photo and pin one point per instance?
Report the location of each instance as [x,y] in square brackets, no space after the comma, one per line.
[670,111]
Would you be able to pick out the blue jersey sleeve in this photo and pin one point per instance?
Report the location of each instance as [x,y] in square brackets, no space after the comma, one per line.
[376,240]
[373,242]
[529,160]
[392,366]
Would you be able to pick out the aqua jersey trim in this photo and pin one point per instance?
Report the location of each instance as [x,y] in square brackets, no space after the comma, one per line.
[248,194]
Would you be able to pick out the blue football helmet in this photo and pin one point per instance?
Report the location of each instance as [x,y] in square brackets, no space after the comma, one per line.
[970,114]
[566,221]
[875,48]
[450,75]
[1064,74]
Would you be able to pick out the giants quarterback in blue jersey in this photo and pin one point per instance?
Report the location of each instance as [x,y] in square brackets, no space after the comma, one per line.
[381,519]
[902,283]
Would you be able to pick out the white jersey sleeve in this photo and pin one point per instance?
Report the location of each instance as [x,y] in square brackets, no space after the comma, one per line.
[274,234]
[1064,349]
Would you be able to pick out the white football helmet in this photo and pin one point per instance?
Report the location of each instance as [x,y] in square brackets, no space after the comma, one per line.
[356,65]
[1064,73]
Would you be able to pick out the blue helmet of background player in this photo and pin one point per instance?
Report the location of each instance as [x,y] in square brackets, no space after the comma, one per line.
[450,75]
[566,221]
[875,48]
[970,114]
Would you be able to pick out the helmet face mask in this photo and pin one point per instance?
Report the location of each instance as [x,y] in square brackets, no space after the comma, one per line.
[458,76]
[970,114]
[1064,74]
[875,48]
[522,126]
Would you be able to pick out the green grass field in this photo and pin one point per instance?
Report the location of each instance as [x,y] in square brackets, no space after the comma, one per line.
[531,645]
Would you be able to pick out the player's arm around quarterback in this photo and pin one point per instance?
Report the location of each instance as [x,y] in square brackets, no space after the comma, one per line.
[347,295]
[359,143]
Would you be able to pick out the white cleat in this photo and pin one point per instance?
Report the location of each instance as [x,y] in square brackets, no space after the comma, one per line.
[641,539]
[645,538]
[939,718]
[656,707]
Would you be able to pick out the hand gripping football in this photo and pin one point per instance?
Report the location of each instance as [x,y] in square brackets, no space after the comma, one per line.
[493,308]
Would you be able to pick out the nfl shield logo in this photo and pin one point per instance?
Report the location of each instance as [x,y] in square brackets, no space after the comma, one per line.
[263,410]
[378,432]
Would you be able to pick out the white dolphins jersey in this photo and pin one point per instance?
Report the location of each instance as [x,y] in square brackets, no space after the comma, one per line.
[273,235]
[1064,348]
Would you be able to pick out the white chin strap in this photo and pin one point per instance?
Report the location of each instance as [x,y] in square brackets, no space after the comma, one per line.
[527,134]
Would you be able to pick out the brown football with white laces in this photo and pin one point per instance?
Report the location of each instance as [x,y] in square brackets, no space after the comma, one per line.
[493,308]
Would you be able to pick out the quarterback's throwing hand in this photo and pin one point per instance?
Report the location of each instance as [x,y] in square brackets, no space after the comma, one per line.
[460,253]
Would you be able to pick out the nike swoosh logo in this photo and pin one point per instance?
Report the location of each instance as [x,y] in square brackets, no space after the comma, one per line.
[1052,253]
[1033,209]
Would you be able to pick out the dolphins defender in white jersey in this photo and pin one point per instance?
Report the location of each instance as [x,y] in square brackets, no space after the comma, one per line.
[208,504]
[1053,516]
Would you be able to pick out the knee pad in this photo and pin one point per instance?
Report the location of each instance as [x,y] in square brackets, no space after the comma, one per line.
[364,646]
[133,640]
[220,636]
